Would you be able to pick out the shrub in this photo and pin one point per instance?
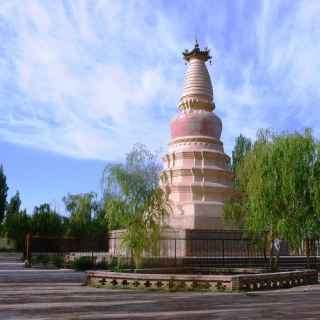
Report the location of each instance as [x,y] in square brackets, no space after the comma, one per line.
[68,264]
[117,264]
[103,264]
[40,259]
[83,263]
[57,261]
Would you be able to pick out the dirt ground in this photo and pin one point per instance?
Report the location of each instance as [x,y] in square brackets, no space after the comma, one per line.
[59,294]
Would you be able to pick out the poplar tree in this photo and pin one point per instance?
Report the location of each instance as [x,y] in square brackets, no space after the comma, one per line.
[3,193]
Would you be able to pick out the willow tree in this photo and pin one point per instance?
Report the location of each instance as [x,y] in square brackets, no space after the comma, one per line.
[297,162]
[279,189]
[134,202]
[85,217]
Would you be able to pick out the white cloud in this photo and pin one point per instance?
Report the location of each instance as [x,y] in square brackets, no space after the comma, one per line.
[89,79]
[78,101]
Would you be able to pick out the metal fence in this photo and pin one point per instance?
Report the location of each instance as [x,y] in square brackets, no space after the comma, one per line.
[232,252]
[36,245]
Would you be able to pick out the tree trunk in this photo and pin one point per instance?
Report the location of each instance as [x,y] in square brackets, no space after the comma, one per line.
[308,253]
[271,257]
[265,243]
[274,255]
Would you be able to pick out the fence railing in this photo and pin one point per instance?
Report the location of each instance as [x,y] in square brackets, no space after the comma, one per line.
[65,245]
[169,251]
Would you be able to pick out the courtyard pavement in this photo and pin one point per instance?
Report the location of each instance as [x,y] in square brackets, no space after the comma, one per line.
[59,294]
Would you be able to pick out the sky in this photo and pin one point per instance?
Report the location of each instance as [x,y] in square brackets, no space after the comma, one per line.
[82,81]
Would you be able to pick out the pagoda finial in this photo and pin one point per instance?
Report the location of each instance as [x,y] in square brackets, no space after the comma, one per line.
[196,52]
[196,45]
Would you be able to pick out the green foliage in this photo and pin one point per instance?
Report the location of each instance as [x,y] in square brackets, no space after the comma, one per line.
[87,263]
[57,261]
[86,216]
[3,193]
[16,227]
[17,223]
[41,259]
[116,264]
[83,263]
[102,265]
[14,205]
[133,200]
[242,146]
[46,222]
[279,181]
[235,211]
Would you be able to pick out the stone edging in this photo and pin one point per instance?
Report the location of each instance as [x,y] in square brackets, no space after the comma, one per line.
[239,282]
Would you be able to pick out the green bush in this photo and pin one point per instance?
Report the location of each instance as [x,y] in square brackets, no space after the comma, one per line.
[116,264]
[103,265]
[57,261]
[113,263]
[40,259]
[83,263]
[68,264]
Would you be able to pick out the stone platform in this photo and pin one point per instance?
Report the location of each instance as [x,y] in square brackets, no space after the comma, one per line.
[237,282]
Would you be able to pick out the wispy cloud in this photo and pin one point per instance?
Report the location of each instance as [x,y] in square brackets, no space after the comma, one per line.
[88,79]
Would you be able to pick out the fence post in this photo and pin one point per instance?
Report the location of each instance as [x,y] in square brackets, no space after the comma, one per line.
[175,251]
[27,249]
[92,258]
[223,252]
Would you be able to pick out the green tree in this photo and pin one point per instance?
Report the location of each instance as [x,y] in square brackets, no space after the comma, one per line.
[14,205]
[3,193]
[278,182]
[47,222]
[85,218]
[17,223]
[99,225]
[134,201]
[298,159]
[235,209]
[242,146]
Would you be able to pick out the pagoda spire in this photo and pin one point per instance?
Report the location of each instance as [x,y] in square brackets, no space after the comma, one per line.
[197,91]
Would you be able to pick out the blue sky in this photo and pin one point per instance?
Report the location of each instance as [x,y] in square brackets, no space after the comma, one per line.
[82,81]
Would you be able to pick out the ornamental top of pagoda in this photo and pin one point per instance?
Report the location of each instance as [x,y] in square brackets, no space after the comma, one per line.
[197,53]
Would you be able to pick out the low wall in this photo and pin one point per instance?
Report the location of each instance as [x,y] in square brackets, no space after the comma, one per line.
[239,282]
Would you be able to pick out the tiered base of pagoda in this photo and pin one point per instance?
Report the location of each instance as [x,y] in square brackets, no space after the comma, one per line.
[198,215]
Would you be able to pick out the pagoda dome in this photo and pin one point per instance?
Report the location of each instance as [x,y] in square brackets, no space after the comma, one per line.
[196,123]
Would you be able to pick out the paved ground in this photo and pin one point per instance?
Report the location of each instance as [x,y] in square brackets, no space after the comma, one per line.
[42,294]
